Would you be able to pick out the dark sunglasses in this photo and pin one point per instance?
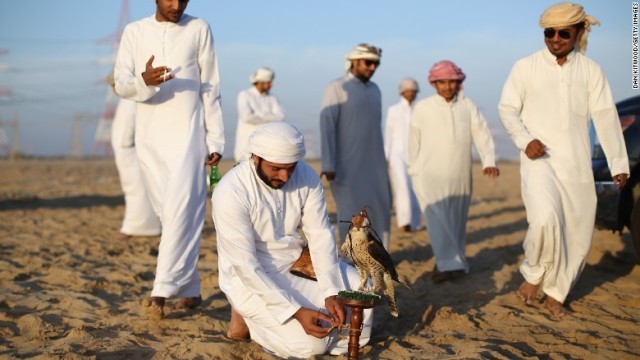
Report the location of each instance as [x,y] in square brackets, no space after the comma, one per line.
[549,33]
[372,62]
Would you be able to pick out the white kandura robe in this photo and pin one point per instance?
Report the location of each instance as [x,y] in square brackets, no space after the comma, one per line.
[352,146]
[139,217]
[254,110]
[258,240]
[178,123]
[552,103]
[396,139]
[440,138]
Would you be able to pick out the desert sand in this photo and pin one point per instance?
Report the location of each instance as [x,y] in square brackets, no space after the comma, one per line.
[68,291]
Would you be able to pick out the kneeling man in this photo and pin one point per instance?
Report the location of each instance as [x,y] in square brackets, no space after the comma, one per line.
[261,209]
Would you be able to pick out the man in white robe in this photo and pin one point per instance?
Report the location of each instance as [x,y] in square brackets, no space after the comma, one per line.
[269,202]
[442,130]
[256,107]
[546,105]
[352,147]
[178,126]
[139,217]
[396,138]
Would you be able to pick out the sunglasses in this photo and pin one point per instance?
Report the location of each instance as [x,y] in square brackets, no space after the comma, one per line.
[549,33]
[372,62]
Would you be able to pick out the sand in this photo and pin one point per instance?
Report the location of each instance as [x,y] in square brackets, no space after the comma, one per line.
[68,291]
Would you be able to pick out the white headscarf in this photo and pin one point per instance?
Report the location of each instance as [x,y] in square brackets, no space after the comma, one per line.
[363,51]
[408,84]
[263,74]
[277,142]
[566,14]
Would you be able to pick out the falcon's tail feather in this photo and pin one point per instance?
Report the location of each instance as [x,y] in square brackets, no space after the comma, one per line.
[404,282]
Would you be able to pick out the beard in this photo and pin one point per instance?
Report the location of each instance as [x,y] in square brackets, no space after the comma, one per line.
[274,184]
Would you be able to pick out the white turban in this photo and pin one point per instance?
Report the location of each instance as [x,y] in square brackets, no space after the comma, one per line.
[408,84]
[263,74]
[363,51]
[566,14]
[277,142]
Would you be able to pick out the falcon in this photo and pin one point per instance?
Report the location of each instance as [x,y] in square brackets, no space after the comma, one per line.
[364,248]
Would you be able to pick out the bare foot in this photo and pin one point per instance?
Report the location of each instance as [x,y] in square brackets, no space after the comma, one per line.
[189,303]
[238,329]
[555,307]
[528,292]
[121,237]
[153,307]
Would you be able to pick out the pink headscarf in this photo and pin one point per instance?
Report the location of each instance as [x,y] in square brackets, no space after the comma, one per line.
[445,70]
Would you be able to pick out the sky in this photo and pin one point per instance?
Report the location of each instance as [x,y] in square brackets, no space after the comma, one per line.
[55,55]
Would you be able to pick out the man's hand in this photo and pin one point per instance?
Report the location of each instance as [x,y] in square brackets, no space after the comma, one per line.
[621,180]
[330,175]
[336,310]
[492,172]
[156,76]
[311,322]
[213,159]
[535,149]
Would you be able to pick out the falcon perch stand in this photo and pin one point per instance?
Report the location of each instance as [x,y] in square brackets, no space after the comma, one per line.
[357,301]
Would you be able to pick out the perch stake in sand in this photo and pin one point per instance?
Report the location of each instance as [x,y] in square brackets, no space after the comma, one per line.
[357,301]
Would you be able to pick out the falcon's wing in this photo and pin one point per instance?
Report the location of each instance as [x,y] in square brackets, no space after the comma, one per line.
[380,254]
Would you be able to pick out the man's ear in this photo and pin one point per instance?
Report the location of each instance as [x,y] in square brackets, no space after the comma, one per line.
[254,158]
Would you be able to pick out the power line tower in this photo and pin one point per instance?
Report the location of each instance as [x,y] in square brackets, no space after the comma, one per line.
[4,92]
[102,137]
[15,137]
[75,149]
[11,147]
[4,140]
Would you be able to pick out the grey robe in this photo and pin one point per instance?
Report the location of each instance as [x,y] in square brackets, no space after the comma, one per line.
[353,148]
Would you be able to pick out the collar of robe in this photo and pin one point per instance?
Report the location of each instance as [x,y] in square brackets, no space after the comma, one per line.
[551,59]
[169,24]
[406,103]
[255,91]
[443,101]
[351,77]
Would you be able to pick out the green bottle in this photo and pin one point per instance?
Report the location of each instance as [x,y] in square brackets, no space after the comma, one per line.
[214,177]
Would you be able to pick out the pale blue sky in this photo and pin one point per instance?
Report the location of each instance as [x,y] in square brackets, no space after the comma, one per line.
[55,63]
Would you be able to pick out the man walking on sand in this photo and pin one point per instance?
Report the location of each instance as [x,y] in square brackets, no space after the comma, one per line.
[547,102]
[443,129]
[178,127]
